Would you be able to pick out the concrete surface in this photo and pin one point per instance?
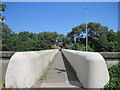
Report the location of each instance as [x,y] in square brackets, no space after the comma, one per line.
[4,63]
[107,55]
[90,67]
[6,53]
[3,68]
[110,55]
[59,75]
[111,63]
[0,72]
[25,68]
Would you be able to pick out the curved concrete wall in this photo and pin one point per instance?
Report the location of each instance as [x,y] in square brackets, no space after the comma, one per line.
[25,68]
[90,68]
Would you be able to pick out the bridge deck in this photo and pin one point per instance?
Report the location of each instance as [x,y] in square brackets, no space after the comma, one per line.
[60,74]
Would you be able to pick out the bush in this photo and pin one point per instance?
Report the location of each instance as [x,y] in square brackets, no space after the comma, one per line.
[114,73]
[77,46]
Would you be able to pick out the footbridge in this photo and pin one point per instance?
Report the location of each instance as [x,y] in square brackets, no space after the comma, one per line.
[56,68]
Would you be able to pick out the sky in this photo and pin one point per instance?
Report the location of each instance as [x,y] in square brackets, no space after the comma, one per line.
[60,0]
[58,17]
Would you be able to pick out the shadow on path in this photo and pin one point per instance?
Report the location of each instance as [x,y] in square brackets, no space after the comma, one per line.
[73,80]
[60,70]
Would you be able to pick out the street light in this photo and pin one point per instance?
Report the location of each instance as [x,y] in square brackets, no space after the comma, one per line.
[86,7]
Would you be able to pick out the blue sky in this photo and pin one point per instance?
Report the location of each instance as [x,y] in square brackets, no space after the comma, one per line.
[60,16]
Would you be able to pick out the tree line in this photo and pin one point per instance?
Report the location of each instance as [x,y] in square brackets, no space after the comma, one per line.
[100,39]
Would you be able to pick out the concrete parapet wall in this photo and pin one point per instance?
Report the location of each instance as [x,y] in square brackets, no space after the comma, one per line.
[110,55]
[6,53]
[90,68]
[111,63]
[25,68]
[3,66]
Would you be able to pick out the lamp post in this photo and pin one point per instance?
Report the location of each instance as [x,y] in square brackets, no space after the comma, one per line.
[86,7]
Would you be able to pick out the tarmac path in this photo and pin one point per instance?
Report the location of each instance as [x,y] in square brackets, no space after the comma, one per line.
[59,74]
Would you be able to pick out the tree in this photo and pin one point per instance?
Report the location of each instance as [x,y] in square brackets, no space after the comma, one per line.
[97,34]
[112,36]
[2,18]
[118,39]
[6,32]
[112,46]
[2,8]
[49,36]
[60,38]
[99,39]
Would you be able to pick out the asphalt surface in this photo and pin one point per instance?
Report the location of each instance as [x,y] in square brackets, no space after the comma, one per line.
[60,74]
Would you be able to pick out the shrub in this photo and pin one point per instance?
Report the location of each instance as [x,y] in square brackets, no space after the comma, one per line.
[114,73]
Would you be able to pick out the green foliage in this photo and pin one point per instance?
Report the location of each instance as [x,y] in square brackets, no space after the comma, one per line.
[6,31]
[27,41]
[118,40]
[112,46]
[2,6]
[76,46]
[60,38]
[90,49]
[99,39]
[112,36]
[5,34]
[49,36]
[114,73]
